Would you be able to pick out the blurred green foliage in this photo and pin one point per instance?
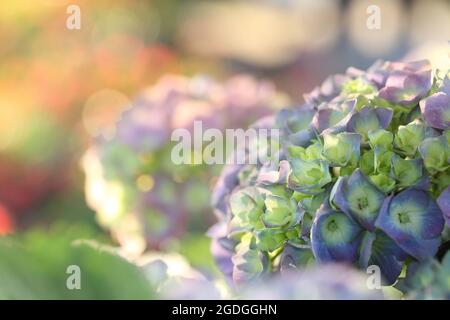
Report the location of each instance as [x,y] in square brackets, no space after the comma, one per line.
[195,248]
[34,266]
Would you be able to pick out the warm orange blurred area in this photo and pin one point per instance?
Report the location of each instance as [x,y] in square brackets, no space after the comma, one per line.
[6,224]
[58,68]
[52,77]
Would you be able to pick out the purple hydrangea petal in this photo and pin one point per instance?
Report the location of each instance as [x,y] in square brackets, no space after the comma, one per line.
[331,114]
[436,110]
[358,198]
[295,124]
[222,256]
[377,74]
[384,116]
[273,173]
[322,119]
[368,119]
[248,264]
[407,83]
[378,249]
[293,258]
[227,181]
[301,138]
[443,202]
[445,87]
[414,221]
[222,248]
[295,120]
[334,236]
[326,92]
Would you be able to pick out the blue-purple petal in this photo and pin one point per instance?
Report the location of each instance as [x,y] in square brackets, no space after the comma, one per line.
[380,250]
[369,119]
[358,198]
[414,221]
[407,83]
[443,202]
[436,110]
[294,257]
[334,236]
[227,181]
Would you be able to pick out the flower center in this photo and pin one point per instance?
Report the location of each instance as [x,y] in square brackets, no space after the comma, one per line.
[363,203]
[403,217]
[332,226]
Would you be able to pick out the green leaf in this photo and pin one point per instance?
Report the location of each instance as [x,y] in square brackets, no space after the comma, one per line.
[34,267]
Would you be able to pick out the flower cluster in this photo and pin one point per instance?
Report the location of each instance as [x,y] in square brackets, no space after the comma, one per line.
[131,182]
[362,177]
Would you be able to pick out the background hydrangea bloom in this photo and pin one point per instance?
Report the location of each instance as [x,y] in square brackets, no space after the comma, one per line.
[130,180]
[328,282]
[358,174]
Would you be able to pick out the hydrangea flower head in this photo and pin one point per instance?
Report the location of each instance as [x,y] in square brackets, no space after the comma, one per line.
[361,178]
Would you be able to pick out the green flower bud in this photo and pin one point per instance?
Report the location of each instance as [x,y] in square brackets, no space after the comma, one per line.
[383,182]
[310,203]
[248,262]
[308,176]
[312,152]
[366,162]
[279,190]
[293,234]
[435,153]
[279,211]
[409,137]
[297,152]
[381,137]
[247,205]
[358,86]
[406,172]
[342,149]
[441,181]
[382,159]
[269,239]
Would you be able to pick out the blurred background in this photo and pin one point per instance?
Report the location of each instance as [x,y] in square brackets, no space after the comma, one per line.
[62,89]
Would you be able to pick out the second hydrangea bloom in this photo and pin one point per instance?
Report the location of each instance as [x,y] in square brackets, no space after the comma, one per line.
[131,181]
